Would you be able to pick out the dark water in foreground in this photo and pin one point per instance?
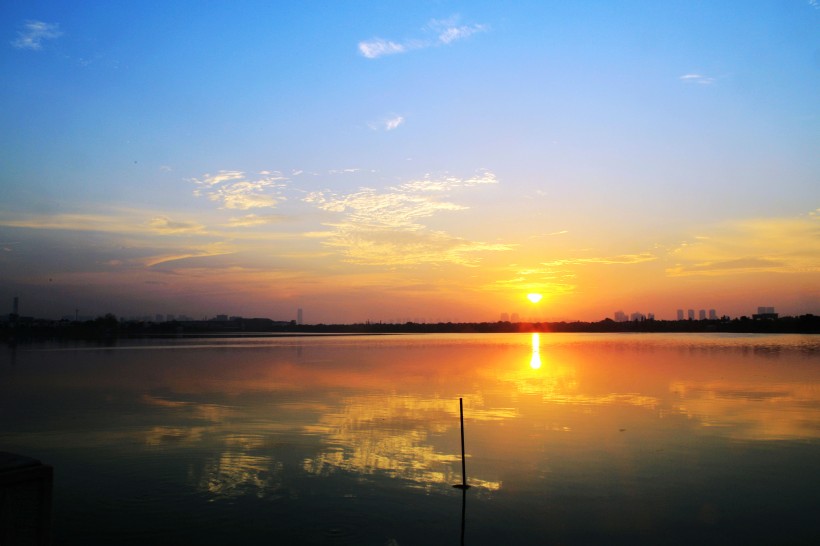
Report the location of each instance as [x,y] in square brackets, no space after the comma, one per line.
[571,439]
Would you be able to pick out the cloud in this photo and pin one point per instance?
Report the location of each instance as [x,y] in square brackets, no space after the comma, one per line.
[116,221]
[34,33]
[164,225]
[393,123]
[385,227]
[233,189]
[387,124]
[697,78]
[171,262]
[559,277]
[448,30]
[377,47]
[254,220]
[547,281]
[775,245]
[607,260]
[444,31]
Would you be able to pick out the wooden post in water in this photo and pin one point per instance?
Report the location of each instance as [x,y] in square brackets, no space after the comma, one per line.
[463,484]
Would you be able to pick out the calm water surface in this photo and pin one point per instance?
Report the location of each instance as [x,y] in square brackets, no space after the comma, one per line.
[570,438]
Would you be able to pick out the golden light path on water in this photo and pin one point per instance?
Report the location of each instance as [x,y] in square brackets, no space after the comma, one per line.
[535,361]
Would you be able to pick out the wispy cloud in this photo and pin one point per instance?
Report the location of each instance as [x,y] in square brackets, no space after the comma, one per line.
[34,33]
[393,123]
[164,225]
[547,280]
[172,261]
[560,277]
[606,260]
[385,227]
[443,31]
[254,220]
[387,124]
[449,30]
[70,222]
[234,190]
[133,222]
[697,78]
[378,47]
[779,245]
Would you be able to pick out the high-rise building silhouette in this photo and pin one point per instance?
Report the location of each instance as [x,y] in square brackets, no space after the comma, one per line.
[680,314]
[690,314]
[299,316]
[765,313]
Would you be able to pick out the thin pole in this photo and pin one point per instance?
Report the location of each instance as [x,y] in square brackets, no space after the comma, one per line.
[463,512]
[463,484]
[463,463]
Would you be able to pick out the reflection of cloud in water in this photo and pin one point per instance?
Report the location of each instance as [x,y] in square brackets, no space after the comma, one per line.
[234,474]
[752,411]
[391,435]
[162,435]
[209,412]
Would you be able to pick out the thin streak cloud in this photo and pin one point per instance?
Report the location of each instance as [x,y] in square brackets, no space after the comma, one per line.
[697,78]
[164,225]
[623,259]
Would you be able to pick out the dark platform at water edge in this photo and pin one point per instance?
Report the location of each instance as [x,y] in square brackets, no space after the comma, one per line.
[25,500]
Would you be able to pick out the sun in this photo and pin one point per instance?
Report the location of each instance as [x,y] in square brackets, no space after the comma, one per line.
[535,298]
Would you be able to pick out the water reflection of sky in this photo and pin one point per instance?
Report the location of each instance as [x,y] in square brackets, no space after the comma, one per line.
[251,421]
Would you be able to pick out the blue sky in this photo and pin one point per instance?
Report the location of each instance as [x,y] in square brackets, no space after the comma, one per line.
[377,160]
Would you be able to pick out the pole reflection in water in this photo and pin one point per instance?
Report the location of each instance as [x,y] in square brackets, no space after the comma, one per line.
[463,513]
[463,485]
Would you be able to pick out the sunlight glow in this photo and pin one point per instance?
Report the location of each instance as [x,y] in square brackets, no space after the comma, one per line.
[535,298]
[535,362]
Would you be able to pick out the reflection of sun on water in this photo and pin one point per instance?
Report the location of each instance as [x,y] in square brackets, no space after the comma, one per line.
[535,362]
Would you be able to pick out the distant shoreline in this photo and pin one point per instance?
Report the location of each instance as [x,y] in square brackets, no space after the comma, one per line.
[109,327]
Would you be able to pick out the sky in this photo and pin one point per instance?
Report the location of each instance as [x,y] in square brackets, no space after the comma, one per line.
[426,160]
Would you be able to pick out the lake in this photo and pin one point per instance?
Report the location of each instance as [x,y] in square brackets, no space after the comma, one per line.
[570,438]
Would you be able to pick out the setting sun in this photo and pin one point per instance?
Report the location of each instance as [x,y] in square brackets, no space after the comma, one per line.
[535,298]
